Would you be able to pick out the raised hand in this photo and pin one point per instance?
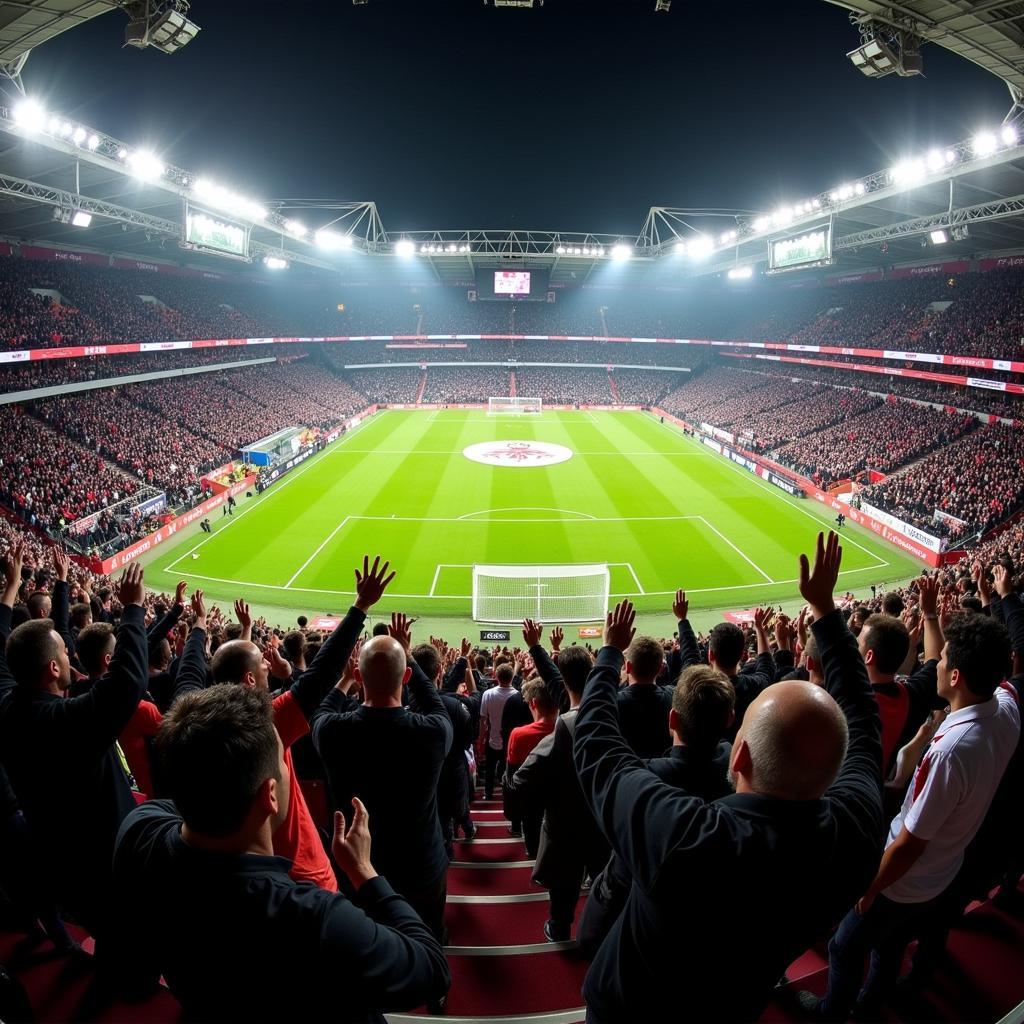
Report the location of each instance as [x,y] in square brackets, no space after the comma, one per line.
[1002,579]
[618,628]
[818,584]
[680,606]
[12,564]
[61,563]
[351,846]
[371,583]
[557,636]
[762,619]
[465,647]
[532,632]
[198,606]
[179,592]
[278,667]
[784,632]
[801,627]
[928,591]
[131,588]
[400,629]
[244,618]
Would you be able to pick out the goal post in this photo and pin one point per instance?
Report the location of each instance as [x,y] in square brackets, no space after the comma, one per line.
[513,406]
[547,593]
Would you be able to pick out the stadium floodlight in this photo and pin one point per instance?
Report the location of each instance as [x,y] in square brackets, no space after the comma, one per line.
[79,135]
[874,58]
[699,247]
[227,200]
[122,154]
[939,236]
[740,273]
[163,25]
[984,144]
[332,241]
[909,172]
[93,142]
[81,219]
[1009,135]
[66,128]
[761,223]
[405,248]
[934,160]
[560,250]
[680,248]
[621,251]
[296,227]
[144,165]
[30,116]
[275,263]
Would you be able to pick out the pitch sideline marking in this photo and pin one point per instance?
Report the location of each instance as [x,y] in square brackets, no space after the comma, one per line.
[257,502]
[739,551]
[433,584]
[324,543]
[632,572]
[778,493]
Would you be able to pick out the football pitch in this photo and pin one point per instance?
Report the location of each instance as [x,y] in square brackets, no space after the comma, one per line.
[661,509]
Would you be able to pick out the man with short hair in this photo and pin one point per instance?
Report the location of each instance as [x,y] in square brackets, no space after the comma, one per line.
[391,758]
[571,844]
[492,706]
[945,806]
[644,705]
[806,815]
[241,662]
[727,647]
[524,821]
[453,784]
[203,896]
[703,708]
[904,704]
[61,752]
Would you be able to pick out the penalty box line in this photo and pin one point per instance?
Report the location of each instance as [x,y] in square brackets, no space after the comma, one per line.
[640,592]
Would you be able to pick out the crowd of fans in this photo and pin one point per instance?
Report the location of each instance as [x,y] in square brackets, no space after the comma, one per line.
[970,314]
[466,384]
[644,387]
[978,481]
[556,387]
[850,769]
[888,436]
[50,481]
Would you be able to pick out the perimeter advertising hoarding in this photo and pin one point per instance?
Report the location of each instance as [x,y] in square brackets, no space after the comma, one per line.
[811,248]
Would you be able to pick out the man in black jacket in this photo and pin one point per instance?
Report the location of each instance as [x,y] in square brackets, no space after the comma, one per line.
[453,785]
[644,704]
[703,709]
[391,758]
[726,648]
[203,897]
[726,895]
[61,753]
[571,844]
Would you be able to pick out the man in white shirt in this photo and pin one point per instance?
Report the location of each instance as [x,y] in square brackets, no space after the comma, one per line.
[492,704]
[944,807]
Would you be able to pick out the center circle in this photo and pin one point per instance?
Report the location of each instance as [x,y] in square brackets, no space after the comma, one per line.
[518,454]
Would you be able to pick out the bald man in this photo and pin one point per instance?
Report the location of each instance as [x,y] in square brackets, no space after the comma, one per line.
[725,895]
[391,758]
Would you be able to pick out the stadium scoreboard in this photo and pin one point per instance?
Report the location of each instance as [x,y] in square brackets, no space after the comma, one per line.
[208,232]
[513,285]
[812,248]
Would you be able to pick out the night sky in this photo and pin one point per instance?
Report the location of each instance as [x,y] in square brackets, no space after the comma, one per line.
[578,116]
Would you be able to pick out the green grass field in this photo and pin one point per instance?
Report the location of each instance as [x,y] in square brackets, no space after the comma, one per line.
[661,509]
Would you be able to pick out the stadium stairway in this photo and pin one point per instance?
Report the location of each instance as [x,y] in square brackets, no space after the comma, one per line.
[614,388]
[512,384]
[505,972]
[421,387]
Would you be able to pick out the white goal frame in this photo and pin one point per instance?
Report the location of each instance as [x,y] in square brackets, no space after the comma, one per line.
[514,406]
[547,593]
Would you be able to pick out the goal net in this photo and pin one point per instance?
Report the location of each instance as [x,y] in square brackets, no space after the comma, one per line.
[547,593]
[513,406]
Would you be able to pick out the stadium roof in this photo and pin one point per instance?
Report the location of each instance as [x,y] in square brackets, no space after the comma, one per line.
[51,167]
[29,23]
[988,32]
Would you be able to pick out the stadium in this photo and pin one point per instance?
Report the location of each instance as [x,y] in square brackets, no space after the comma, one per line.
[655,590]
